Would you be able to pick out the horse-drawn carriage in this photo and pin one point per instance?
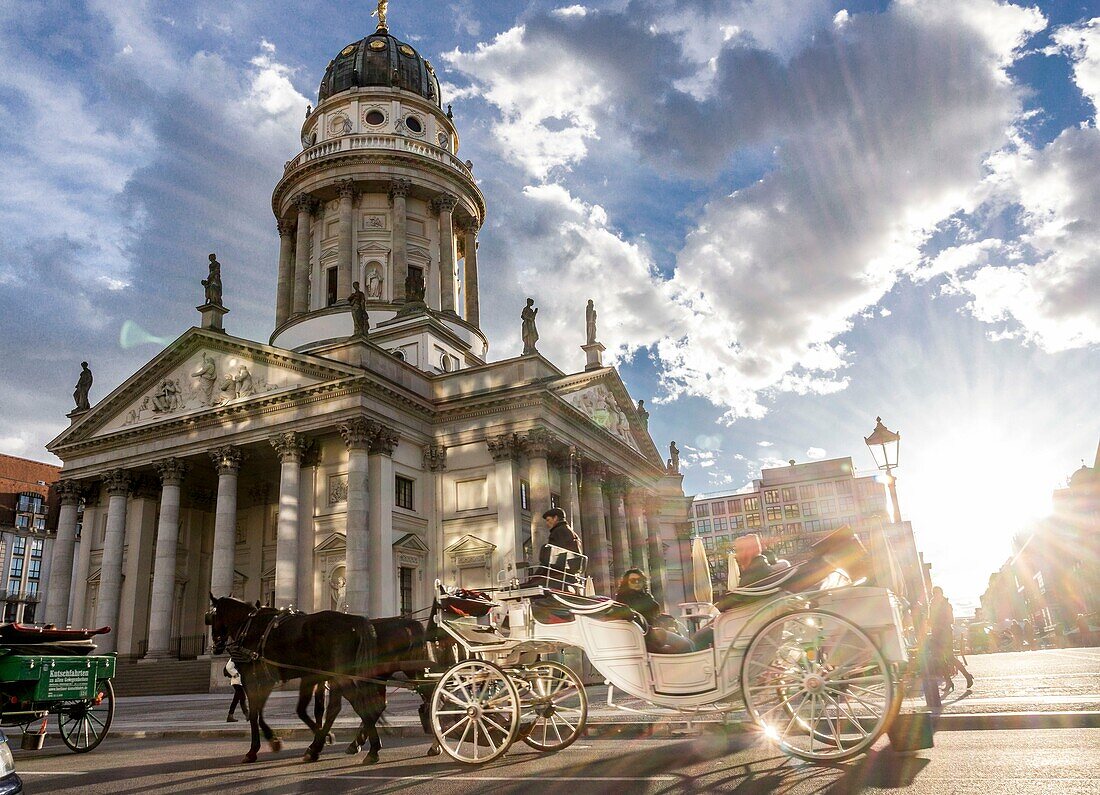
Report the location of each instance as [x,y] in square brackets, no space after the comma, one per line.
[817,668]
[47,672]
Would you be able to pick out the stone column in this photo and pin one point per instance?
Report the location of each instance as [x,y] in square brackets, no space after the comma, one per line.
[78,602]
[383,590]
[473,307]
[595,528]
[307,532]
[620,541]
[228,462]
[537,444]
[656,547]
[399,245]
[289,447]
[345,189]
[301,255]
[435,462]
[117,482]
[573,467]
[635,512]
[357,435]
[505,451]
[445,205]
[61,561]
[284,296]
[171,473]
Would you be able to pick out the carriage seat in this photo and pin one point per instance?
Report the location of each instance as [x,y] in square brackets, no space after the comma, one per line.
[781,580]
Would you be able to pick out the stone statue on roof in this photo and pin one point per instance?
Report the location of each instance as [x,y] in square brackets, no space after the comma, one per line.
[83,387]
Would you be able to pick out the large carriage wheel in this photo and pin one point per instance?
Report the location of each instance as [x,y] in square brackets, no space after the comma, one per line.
[817,685]
[555,710]
[475,712]
[84,724]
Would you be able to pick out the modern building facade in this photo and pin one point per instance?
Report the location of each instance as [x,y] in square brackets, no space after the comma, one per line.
[794,506]
[367,447]
[28,522]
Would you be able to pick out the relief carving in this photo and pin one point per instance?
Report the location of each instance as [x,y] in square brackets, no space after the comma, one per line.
[599,405]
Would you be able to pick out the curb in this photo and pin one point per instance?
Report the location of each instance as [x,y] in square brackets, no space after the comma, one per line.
[671,729]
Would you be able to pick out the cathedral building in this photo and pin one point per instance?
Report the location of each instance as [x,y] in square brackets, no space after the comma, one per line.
[369,446]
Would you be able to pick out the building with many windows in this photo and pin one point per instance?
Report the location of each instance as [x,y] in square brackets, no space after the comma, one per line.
[367,447]
[28,521]
[790,508]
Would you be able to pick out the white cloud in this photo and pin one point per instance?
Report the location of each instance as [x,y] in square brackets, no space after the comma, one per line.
[571,11]
[815,453]
[764,444]
[1082,43]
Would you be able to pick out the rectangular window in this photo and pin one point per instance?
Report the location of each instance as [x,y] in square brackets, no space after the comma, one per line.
[703,525]
[794,528]
[32,587]
[774,512]
[789,494]
[824,489]
[752,520]
[403,492]
[13,585]
[40,523]
[702,509]
[737,522]
[809,509]
[812,526]
[406,590]
[36,547]
[846,503]
[19,546]
[771,496]
[22,520]
[828,505]
[16,568]
[843,487]
[34,569]
[752,504]
[807,492]
[791,511]
[331,283]
[524,495]
[733,506]
[721,525]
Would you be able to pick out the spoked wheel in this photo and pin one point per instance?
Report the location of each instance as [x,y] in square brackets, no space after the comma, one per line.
[555,710]
[475,712]
[84,724]
[818,686]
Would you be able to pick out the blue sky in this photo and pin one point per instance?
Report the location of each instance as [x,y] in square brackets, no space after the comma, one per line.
[793,215]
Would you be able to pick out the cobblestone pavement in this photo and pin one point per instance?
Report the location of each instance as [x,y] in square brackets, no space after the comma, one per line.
[1048,681]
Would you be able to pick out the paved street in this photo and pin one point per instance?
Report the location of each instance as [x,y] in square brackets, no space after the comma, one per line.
[1052,761]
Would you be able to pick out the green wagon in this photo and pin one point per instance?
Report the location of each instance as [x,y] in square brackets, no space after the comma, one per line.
[52,672]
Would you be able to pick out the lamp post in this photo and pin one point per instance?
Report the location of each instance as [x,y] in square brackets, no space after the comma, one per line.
[884,445]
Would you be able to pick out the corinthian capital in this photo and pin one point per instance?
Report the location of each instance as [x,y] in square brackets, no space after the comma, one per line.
[286,228]
[289,446]
[435,457]
[594,472]
[400,187]
[384,441]
[171,471]
[539,441]
[358,432]
[505,447]
[471,226]
[227,459]
[345,189]
[304,201]
[68,491]
[444,203]
[117,482]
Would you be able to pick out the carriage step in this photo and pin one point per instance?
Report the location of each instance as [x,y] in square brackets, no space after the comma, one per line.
[165,678]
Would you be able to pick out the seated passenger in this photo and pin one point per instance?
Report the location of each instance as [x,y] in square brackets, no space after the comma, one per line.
[662,637]
[750,559]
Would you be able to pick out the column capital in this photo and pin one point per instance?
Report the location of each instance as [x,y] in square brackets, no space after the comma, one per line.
[304,202]
[654,504]
[444,203]
[505,447]
[118,482]
[227,459]
[345,188]
[384,441]
[400,188]
[171,471]
[594,470]
[538,442]
[683,531]
[435,457]
[471,226]
[285,228]
[289,446]
[618,485]
[358,432]
[68,491]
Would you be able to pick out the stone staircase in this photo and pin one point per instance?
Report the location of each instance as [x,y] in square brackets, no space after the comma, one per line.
[164,678]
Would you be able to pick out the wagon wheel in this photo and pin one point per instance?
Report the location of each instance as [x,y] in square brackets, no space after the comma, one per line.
[818,686]
[84,724]
[555,710]
[475,712]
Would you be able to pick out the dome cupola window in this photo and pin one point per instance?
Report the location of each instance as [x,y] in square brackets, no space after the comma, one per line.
[374,117]
[414,124]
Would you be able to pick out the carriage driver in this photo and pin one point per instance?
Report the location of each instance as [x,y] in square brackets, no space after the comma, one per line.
[561,534]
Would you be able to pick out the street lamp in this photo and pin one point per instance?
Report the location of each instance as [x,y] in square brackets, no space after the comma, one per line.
[884,445]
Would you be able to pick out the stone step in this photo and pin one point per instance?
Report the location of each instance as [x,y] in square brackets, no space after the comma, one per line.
[163,678]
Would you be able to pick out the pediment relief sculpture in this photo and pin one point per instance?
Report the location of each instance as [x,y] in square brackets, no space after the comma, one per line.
[599,405]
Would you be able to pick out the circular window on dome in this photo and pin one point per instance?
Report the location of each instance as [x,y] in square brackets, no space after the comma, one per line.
[374,117]
[407,50]
[377,44]
[414,124]
[339,124]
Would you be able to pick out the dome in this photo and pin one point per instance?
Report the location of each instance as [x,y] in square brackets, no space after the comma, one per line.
[1081,476]
[379,60]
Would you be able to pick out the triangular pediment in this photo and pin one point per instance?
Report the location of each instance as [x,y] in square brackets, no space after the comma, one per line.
[201,372]
[337,542]
[469,545]
[411,543]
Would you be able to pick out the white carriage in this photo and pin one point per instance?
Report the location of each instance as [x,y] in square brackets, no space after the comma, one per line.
[817,671]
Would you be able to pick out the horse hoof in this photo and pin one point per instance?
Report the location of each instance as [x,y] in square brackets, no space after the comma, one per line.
[372,759]
[330,738]
[276,745]
[353,749]
[248,758]
[309,756]
[435,750]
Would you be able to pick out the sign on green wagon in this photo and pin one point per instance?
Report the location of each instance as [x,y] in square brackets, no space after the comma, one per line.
[68,683]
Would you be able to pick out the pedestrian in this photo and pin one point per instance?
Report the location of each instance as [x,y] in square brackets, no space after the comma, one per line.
[941,619]
[234,676]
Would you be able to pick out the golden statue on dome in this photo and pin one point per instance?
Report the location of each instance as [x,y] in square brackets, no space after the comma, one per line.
[383,6]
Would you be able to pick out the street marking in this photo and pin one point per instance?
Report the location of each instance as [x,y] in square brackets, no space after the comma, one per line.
[511,778]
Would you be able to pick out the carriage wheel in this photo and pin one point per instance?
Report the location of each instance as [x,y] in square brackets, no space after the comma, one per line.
[84,724]
[555,710]
[475,712]
[818,686]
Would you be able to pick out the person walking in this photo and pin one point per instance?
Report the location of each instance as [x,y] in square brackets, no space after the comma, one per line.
[942,643]
[234,676]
